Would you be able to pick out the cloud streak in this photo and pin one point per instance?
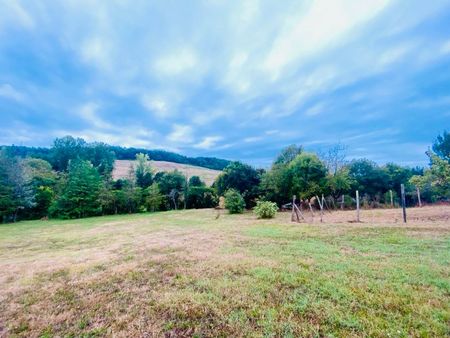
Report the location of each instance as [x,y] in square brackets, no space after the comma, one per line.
[245,80]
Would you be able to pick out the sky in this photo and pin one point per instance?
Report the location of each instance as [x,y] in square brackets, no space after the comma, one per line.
[232,79]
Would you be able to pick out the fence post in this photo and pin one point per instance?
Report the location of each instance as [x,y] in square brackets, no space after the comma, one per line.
[402,188]
[418,197]
[392,199]
[357,206]
[343,201]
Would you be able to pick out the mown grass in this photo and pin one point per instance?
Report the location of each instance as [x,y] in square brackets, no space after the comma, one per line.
[187,273]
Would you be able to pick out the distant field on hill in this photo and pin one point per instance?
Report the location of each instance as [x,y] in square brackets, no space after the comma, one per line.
[122,168]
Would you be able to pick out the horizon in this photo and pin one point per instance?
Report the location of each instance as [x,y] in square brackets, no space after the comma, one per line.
[232,81]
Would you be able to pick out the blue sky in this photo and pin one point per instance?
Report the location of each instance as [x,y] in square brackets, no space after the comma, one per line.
[232,79]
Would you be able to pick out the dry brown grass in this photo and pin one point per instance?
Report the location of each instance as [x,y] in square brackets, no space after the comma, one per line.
[186,273]
[122,169]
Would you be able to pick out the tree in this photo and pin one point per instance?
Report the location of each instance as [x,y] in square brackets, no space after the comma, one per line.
[195,181]
[439,173]
[80,195]
[7,204]
[308,175]
[368,178]
[288,154]
[143,171]
[234,202]
[334,158]
[65,149]
[42,181]
[441,146]
[100,155]
[201,197]
[339,183]
[172,185]
[276,184]
[154,199]
[242,178]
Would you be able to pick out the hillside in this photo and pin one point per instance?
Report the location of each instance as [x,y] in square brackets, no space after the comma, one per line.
[122,168]
[120,153]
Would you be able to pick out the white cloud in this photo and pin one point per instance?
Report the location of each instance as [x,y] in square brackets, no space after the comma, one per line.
[323,24]
[314,110]
[14,13]
[176,63]
[97,51]
[156,105]
[208,142]
[8,91]
[181,134]
[253,139]
[89,113]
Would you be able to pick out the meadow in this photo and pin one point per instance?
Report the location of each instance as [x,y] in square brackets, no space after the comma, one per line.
[208,273]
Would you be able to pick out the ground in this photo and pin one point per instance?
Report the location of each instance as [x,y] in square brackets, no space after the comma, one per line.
[206,273]
[122,170]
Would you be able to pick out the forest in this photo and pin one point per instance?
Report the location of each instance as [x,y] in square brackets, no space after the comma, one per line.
[72,179]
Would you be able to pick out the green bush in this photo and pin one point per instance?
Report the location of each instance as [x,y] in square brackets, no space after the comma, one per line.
[234,202]
[265,209]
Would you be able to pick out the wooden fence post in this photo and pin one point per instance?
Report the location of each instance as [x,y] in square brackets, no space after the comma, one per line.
[392,199]
[343,201]
[321,208]
[402,188]
[418,197]
[293,210]
[357,206]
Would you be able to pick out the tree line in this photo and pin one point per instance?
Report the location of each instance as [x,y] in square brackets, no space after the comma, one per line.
[120,153]
[75,181]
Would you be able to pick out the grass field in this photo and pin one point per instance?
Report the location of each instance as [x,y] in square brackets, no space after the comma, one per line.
[122,170]
[187,273]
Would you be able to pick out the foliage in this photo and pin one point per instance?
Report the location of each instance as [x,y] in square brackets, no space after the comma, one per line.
[195,181]
[265,209]
[173,185]
[308,175]
[80,195]
[65,149]
[143,171]
[288,154]
[154,199]
[339,183]
[240,177]
[367,177]
[201,197]
[441,146]
[234,202]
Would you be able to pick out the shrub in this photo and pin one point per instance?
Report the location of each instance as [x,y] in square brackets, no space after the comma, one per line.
[234,202]
[265,209]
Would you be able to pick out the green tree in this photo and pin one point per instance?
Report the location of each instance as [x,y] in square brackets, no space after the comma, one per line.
[7,204]
[143,171]
[154,198]
[308,175]
[65,149]
[80,195]
[339,183]
[441,146]
[234,202]
[198,197]
[276,184]
[288,154]
[242,178]
[42,180]
[173,185]
[100,155]
[195,181]
[368,178]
